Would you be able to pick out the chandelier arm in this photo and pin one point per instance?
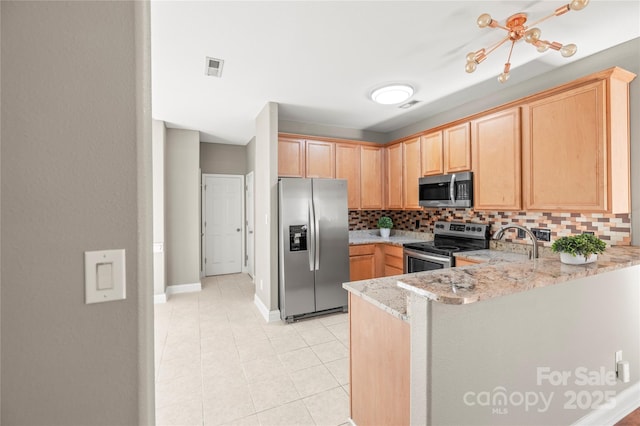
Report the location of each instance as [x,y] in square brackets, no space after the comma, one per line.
[513,43]
[559,11]
[500,43]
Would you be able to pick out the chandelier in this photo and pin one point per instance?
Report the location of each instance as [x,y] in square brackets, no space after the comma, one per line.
[516,29]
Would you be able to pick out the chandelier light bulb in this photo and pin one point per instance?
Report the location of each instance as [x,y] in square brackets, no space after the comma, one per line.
[471,67]
[578,4]
[568,50]
[502,78]
[484,20]
[532,35]
[471,56]
[543,47]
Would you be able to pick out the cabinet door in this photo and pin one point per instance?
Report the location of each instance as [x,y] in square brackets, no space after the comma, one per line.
[290,157]
[379,363]
[496,157]
[371,162]
[411,173]
[348,167]
[431,153]
[362,262]
[321,159]
[394,177]
[564,149]
[457,148]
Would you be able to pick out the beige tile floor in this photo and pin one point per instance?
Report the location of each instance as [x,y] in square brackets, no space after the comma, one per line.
[219,363]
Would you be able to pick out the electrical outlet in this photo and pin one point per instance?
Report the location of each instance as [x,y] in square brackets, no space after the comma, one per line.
[261,286]
[542,234]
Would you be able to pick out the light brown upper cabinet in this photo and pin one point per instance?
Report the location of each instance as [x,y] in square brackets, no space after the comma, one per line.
[431,153]
[348,167]
[496,154]
[457,148]
[576,148]
[394,177]
[371,177]
[291,157]
[411,173]
[321,159]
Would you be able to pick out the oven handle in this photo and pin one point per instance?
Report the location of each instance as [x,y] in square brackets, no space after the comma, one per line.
[445,260]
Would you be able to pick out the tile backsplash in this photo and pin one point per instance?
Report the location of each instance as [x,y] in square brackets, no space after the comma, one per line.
[614,229]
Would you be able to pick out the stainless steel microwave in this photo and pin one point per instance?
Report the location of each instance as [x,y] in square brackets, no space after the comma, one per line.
[451,190]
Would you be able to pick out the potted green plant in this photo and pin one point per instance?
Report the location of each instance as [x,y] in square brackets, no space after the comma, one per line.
[578,249]
[385,224]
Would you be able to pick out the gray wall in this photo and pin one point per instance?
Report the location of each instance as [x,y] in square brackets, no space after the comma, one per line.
[223,159]
[69,184]
[159,143]
[266,207]
[251,155]
[331,131]
[182,208]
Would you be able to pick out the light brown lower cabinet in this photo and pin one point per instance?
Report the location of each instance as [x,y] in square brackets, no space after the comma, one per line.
[463,261]
[368,261]
[379,366]
[362,265]
[393,260]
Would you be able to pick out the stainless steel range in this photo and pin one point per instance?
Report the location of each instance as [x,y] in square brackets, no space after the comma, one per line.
[449,238]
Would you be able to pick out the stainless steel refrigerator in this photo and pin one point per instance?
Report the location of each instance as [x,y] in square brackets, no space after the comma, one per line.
[313,246]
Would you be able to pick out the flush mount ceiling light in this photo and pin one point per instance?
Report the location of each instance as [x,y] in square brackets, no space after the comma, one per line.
[517,30]
[392,94]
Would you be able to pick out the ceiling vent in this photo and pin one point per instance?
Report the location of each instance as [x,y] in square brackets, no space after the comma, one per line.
[409,104]
[213,67]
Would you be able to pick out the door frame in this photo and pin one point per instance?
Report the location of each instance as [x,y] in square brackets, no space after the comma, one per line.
[248,236]
[203,250]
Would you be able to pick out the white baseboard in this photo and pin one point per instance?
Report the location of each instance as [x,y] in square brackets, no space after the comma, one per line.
[183,288]
[160,298]
[269,316]
[626,401]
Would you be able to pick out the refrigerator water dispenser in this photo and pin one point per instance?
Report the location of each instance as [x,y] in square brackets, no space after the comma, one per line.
[298,238]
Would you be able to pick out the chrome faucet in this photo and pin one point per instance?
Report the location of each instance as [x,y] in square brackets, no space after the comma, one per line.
[500,233]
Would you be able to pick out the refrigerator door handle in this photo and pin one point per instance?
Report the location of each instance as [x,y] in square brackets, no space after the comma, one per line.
[316,237]
[311,236]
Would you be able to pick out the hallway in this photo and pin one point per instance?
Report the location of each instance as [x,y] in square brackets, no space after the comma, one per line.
[218,362]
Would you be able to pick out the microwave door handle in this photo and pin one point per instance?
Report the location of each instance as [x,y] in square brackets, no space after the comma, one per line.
[452,188]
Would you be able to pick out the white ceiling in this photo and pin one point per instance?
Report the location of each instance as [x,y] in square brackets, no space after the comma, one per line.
[319,60]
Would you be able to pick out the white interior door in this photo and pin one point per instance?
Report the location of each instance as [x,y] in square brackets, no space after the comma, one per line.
[223,216]
[249,223]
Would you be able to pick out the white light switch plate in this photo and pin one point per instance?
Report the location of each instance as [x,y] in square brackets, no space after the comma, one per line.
[104,275]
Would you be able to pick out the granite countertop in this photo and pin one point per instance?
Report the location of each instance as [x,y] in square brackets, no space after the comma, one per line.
[492,257]
[475,283]
[397,238]
[501,274]
[384,293]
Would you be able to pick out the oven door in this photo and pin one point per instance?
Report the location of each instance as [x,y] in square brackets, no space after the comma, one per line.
[417,261]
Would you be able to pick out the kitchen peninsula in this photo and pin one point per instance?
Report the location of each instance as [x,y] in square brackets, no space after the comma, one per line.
[469,342]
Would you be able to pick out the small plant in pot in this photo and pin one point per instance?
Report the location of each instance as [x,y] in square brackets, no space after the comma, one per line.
[385,224]
[578,249]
